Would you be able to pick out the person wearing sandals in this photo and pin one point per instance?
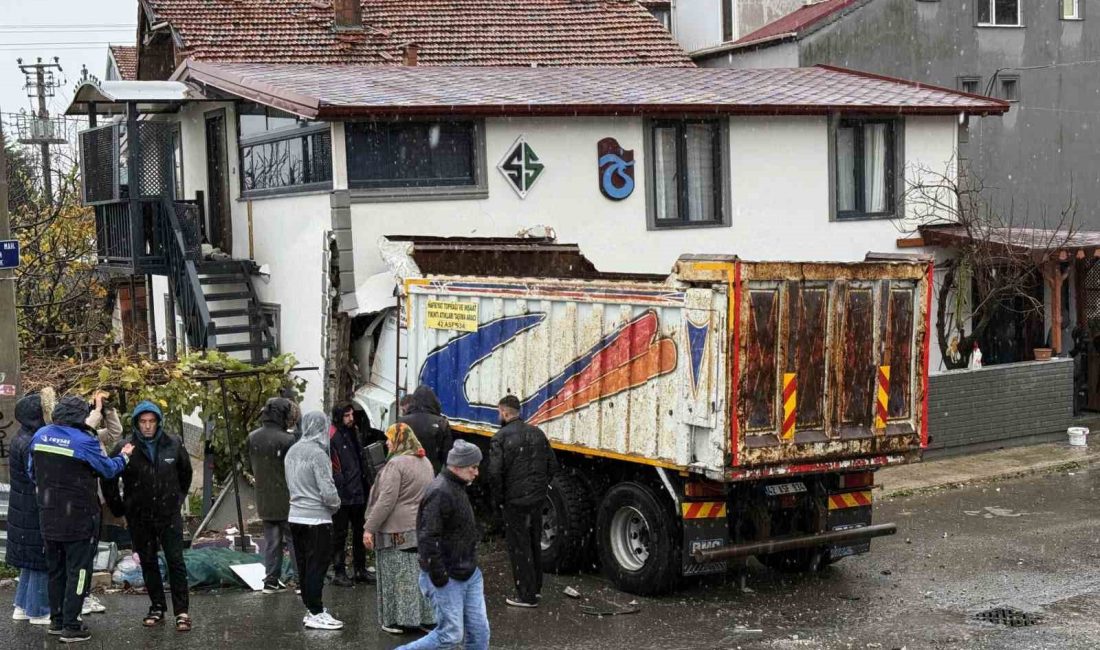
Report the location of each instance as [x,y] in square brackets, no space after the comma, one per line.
[391,531]
[313,501]
[25,548]
[154,487]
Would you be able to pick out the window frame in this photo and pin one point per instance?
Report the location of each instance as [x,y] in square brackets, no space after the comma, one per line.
[1014,79]
[1079,14]
[895,175]
[721,180]
[275,310]
[962,80]
[300,131]
[993,14]
[478,190]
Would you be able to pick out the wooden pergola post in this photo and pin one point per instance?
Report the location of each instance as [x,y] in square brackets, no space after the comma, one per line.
[1055,278]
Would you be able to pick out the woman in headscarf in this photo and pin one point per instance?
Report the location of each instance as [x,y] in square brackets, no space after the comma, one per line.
[391,531]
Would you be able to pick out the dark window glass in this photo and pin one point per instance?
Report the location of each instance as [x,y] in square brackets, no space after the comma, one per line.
[999,12]
[865,174]
[687,172]
[1010,90]
[411,154]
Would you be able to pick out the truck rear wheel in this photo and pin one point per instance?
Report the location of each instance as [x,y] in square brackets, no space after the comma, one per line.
[567,523]
[638,540]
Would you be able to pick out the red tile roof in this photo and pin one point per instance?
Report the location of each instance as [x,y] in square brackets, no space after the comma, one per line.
[331,91]
[125,57]
[449,32]
[796,22]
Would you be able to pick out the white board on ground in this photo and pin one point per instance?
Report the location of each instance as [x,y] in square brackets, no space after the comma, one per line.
[252,574]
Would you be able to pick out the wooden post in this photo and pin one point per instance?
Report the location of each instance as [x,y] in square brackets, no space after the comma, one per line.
[133,181]
[1055,279]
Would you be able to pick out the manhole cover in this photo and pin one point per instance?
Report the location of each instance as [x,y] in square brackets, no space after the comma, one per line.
[1009,616]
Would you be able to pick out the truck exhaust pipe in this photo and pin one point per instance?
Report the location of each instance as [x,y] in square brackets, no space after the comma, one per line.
[778,545]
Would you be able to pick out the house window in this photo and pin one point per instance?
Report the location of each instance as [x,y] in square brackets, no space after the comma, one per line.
[662,11]
[271,314]
[281,154]
[686,162]
[416,157]
[727,20]
[1071,10]
[1005,13]
[866,168]
[970,85]
[1010,89]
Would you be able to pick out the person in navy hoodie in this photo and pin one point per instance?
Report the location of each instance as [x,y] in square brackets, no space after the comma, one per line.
[65,463]
[25,550]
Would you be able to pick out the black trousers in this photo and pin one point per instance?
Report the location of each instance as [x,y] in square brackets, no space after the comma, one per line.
[349,519]
[149,538]
[70,571]
[523,533]
[312,550]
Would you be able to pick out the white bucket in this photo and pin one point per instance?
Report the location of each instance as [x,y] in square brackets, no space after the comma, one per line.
[1078,436]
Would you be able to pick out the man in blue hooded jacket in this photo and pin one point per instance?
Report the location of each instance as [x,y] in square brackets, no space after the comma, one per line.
[154,487]
[65,463]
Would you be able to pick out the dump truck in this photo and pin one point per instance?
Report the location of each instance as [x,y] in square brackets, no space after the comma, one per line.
[729,409]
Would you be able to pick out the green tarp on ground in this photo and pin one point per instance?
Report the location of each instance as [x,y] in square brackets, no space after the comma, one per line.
[210,567]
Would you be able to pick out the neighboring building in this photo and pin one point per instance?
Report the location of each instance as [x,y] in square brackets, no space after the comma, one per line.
[1038,56]
[121,63]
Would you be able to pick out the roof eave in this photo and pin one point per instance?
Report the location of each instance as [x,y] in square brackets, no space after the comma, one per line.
[737,46]
[337,111]
[234,84]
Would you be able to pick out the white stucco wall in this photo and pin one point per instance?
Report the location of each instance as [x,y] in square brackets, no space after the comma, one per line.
[782,55]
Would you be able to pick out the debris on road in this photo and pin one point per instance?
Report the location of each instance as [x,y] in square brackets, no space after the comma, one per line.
[610,609]
[571,592]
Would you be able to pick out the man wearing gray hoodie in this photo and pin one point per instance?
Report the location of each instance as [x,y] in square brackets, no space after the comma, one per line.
[313,500]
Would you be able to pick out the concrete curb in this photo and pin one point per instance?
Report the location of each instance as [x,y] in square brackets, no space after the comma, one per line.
[903,486]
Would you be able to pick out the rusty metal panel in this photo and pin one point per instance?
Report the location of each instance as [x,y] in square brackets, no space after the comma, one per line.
[900,345]
[807,327]
[759,381]
[857,362]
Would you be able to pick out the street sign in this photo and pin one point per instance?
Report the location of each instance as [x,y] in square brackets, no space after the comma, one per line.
[9,253]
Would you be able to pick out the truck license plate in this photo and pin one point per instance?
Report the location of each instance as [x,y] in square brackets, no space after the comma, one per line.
[784,488]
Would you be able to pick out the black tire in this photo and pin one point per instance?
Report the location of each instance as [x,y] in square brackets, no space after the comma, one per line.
[638,540]
[568,519]
[805,560]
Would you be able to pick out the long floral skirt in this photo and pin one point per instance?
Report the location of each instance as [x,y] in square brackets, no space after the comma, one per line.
[400,603]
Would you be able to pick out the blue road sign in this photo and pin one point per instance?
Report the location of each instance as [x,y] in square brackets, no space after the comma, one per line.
[9,253]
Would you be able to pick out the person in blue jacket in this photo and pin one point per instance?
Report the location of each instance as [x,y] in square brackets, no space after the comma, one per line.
[65,463]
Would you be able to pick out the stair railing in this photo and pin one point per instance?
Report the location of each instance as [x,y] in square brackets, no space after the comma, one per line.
[178,227]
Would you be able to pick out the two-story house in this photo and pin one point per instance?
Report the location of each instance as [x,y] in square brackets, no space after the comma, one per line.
[296,170]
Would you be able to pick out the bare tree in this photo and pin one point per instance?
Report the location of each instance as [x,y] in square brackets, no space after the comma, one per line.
[998,252]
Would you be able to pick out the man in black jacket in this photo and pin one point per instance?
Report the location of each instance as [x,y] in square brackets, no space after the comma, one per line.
[521,466]
[348,472]
[425,416]
[65,461]
[447,536]
[154,487]
[267,447]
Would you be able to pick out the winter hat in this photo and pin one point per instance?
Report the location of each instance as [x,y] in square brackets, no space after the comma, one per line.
[464,454]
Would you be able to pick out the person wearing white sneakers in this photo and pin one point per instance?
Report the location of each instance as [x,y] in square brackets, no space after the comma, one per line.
[313,501]
[25,548]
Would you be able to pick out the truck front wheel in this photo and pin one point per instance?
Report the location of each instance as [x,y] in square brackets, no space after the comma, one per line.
[638,540]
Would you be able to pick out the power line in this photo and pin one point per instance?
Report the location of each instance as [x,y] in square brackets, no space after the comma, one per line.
[66,30]
[68,25]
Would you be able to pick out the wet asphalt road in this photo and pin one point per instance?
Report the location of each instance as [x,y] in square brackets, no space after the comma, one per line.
[1032,543]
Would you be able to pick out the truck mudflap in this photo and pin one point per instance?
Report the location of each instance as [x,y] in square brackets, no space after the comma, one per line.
[778,545]
[849,511]
[705,527]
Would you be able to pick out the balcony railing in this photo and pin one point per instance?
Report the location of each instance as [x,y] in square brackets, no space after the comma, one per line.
[138,246]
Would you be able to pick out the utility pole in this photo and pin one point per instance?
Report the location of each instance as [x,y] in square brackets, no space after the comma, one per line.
[40,84]
[9,332]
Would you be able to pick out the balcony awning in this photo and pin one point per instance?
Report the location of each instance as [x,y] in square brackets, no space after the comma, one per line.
[111,97]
